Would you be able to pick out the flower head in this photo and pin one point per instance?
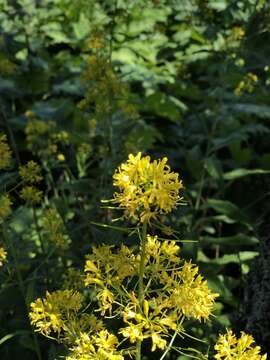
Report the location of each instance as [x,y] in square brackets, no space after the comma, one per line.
[229,347]
[5,153]
[3,256]
[5,206]
[50,314]
[31,172]
[146,188]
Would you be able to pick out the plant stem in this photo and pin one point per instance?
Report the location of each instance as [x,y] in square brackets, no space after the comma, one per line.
[9,242]
[141,287]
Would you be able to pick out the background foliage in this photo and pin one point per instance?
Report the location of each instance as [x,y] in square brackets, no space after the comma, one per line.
[186,79]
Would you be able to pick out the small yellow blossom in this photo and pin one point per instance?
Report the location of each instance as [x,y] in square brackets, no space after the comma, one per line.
[61,157]
[31,172]
[229,347]
[146,188]
[3,256]
[5,206]
[5,153]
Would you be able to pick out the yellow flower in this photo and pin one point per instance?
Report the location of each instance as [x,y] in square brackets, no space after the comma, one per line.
[31,172]
[191,295]
[229,347]
[102,345]
[5,206]
[3,256]
[5,153]
[50,314]
[146,188]
[61,157]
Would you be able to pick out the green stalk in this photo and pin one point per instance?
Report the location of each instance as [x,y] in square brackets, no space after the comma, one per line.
[141,287]
[9,241]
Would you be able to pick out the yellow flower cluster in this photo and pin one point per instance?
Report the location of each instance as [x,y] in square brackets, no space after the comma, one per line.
[247,84]
[73,279]
[100,346]
[43,138]
[3,256]
[106,92]
[55,230]
[5,153]
[5,206]
[147,188]
[31,195]
[173,292]
[31,172]
[55,311]
[228,347]
[237,33]
[107,271]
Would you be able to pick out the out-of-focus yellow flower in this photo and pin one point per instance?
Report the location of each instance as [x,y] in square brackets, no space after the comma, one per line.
[5,206]
[31,172]
[31,195]
[247,84]
[147,188]
[6,67]
[61,157]
[5,153]
[54,226]
[73,279]
[50,314]
[3,256]
[229,347]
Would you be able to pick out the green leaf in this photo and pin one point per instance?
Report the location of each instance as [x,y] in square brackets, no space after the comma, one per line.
[10,336]
[230,242]
[227,208]
[238,173]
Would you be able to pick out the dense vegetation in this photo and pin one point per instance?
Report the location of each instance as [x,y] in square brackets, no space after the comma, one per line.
[85,83]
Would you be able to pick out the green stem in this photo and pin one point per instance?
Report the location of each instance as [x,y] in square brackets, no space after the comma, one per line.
[11,246]
[141,287]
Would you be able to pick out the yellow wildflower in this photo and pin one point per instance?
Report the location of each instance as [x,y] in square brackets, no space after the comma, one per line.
[3,256]
[191,295]
[31,172]
[50,314]
[146,188]
[5,153]
[229,347]
[5,206]
[102,345]
[61,157]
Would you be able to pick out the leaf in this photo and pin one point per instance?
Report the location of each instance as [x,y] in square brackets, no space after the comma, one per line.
[242,256]
[238,173]
[230,242]
[262,111]
[227,208]
[10,336]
